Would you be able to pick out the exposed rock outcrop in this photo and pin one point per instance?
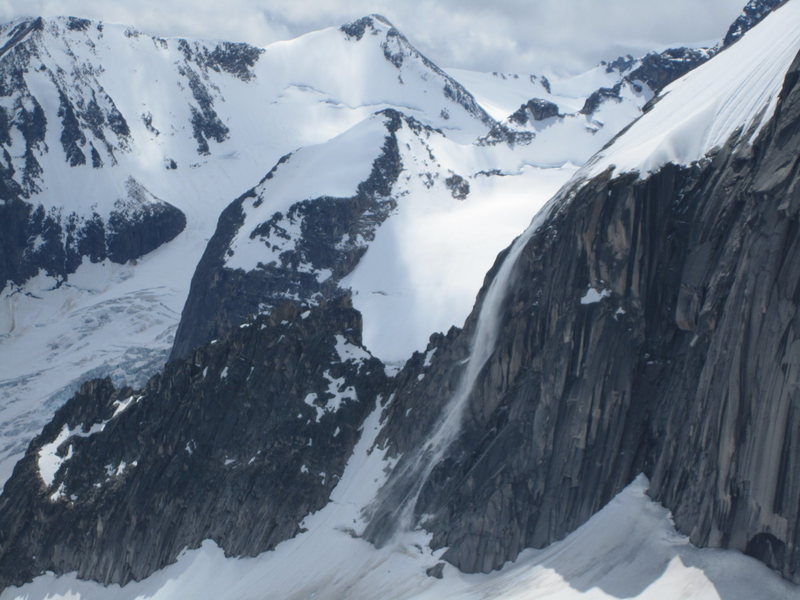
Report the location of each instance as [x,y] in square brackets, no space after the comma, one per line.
[57,241]
[659,69]
[752,14]
[535,109]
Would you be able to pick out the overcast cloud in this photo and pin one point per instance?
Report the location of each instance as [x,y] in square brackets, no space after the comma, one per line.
[526,36]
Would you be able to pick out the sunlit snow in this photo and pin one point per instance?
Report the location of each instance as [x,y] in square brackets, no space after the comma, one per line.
[736,92]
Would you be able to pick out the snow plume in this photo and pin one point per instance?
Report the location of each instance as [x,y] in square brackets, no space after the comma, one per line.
[412,472]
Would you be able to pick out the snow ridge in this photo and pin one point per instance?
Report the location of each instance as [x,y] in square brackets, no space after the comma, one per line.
[734,94]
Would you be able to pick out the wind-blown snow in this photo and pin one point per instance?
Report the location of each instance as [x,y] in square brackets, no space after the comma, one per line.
[429,455]
[427,262]
[735,92]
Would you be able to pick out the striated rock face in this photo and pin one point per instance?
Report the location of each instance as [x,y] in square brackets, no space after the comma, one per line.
[237,444]
[643,325]
[650,325]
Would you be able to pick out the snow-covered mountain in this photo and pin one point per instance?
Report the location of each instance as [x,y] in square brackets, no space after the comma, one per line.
[198,124]
[644,323]
[182,128]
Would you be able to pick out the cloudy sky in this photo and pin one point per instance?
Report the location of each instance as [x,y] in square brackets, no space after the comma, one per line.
[527,36]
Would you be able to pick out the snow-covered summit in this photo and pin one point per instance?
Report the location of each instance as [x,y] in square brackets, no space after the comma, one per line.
[68,92]
[399,51]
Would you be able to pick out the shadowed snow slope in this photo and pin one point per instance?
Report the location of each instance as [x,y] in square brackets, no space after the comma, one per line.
[629,550]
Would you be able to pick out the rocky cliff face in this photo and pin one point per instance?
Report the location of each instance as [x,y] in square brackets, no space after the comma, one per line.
[649,326]
[643,324]
[238,443]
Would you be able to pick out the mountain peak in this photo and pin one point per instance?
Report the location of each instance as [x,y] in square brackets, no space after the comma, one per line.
[734,94]
[374,22]
[397,50]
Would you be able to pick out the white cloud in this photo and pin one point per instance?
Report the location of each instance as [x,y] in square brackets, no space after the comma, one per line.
[507,35]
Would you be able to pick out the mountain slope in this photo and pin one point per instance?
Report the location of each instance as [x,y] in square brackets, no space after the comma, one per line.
[285,467]
[390,218]
[189,130]
[67,114]
[404,240]
[192,133]
[644,323]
